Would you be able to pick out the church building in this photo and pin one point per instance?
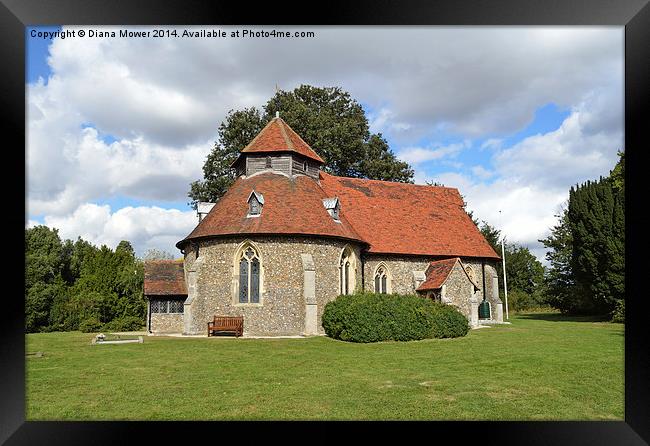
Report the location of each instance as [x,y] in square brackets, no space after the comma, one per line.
[287,238]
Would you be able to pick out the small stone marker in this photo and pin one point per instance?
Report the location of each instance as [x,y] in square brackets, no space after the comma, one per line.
[100,339]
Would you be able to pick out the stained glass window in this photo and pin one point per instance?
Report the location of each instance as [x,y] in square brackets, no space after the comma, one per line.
[345,266]
[249,276]
[243,280]
[255,280]
[381,280]
[347,277]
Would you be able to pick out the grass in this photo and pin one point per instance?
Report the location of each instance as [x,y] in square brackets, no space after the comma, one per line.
[541,367]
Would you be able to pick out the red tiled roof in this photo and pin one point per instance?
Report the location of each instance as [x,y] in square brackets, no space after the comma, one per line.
[437,273]
[399,218]
[164,277]
[291,206]
[277,136]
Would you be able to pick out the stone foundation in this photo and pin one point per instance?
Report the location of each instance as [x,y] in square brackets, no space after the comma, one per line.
[166,323]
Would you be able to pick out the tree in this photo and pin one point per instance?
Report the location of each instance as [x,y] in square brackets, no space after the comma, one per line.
[157,254]
[587,247]
[617,175]
[110,286]
[44,257]
[239,128]
[125,248]
[68,283]
[379,163]
[561,292]
[492,235]
[596,215]
[327,118]
[523,270]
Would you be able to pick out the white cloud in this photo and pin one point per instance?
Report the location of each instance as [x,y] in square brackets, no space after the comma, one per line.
[532,178]
[68,165]
[492,143]
[144,227]
[417,155]
[582,148]
[163,100]
[383,121]
[482,173]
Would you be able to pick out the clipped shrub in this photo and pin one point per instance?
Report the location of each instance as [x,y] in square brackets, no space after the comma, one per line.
[368,317]
[124,323]
[90,325]
[618,315]
[448,322]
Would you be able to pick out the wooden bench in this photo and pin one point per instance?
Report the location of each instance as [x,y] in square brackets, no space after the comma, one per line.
[226,324]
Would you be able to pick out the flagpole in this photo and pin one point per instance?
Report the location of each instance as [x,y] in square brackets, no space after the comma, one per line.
[505,284]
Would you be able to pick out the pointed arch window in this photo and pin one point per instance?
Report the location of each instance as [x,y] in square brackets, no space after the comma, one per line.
[249,276]
[470,273]
[381,280]
[346,271]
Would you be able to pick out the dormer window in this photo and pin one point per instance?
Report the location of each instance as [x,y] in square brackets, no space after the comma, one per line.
[304,166]
[333,206]
[255,204]
[268,162]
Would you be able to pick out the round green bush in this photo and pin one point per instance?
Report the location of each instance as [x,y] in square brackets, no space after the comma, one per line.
[90,325]
[124,323]
[371,317]
[448,322]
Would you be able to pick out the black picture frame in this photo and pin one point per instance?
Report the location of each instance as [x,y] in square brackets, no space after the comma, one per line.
[634,15]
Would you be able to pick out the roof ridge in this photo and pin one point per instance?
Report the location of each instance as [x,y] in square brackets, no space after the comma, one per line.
[298,135]
[287,140]
[389,182]
[257,136]
[454,259]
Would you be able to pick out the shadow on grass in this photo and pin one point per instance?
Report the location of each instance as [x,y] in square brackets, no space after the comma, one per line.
[559,317]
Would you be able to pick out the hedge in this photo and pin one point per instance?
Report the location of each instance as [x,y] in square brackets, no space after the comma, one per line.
[368,317]
[90,325]
[124,323]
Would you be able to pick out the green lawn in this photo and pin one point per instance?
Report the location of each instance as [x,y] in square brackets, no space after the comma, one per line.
[542,367]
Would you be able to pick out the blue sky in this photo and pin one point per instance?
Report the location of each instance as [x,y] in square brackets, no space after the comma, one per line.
[37,52]
[512,117]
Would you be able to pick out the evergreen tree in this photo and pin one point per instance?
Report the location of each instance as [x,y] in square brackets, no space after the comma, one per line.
[596,219]
[561,292]
[44,258]
[68,283]
[587,247]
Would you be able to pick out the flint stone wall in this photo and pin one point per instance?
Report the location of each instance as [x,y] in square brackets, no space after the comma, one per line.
[282,306]
[166,323]
[401,273]
[459,290]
